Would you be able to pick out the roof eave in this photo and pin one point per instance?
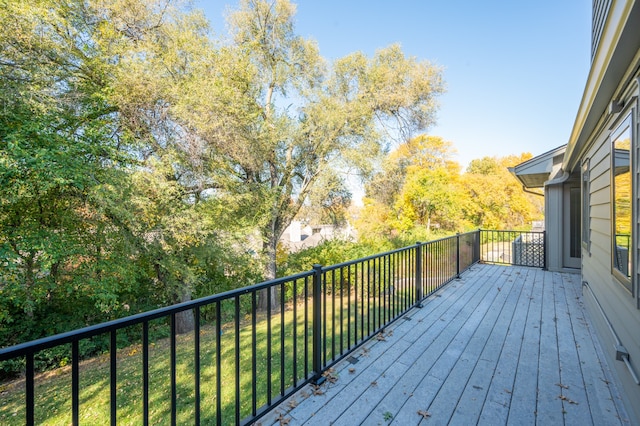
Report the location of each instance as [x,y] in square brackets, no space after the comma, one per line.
[617,47]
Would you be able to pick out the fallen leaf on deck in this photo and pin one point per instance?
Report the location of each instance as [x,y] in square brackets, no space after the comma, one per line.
[424,414]
[283,420]
[564,398]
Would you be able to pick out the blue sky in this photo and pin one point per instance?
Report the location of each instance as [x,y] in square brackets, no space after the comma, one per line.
[515,70]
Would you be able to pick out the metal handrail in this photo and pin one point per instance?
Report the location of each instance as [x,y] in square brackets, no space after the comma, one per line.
[342,307]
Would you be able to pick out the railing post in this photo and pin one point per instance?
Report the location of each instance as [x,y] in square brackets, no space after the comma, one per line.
[418,277]
[457,255]
[544,250]
[318,378]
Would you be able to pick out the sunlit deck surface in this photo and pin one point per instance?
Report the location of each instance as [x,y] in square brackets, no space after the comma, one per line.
[501,345]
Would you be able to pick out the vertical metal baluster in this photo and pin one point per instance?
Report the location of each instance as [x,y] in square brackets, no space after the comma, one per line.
[282,339]
[196,363]
[418,274]
[341,311]
[317,323]
[458,255]
[269,383]
[306,327]
[355,307]
[382,297]
[375,296]
[218,365]
[363,301]
[295,333]
[145,373]
[113,352]
[174,391]
[254,355]
[349,307]
[75,383]
[30,390]
[333,314]
[324,321]
[236,319]
[368,298]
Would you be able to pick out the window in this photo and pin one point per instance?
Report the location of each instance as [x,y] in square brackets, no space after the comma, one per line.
[622,196]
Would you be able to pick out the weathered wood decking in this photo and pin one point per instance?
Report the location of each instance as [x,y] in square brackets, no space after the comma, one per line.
[502,345]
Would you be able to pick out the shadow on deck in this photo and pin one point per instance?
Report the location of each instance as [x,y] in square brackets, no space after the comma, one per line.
[501,345]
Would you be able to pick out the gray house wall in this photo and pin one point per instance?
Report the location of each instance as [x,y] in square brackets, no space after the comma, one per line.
[610,97]
[613,307]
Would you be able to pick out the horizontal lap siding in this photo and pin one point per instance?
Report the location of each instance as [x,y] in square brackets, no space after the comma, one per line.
[617,302]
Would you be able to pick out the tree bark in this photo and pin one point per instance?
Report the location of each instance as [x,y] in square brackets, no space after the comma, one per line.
[185,320]
[269,296]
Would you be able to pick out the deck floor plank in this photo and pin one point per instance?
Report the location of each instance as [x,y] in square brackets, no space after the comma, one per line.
[481,323]
[522,410]
[496,407]
[594,380]
[475,393]
[502,345]
[549,406]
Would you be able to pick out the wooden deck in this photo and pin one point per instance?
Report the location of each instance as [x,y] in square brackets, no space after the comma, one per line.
[502,345]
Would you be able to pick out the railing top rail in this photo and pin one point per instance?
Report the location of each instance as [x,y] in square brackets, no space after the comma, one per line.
[364,259]
[390,252]
[94,330]
[106,327]
[513,231]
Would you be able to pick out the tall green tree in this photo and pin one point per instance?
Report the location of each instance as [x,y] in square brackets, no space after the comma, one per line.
[57,149]
[416,185]
[85,89]
[494,199]
[273,116]
[430,195]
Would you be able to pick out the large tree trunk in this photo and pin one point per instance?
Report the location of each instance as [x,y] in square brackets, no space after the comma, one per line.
[185,321]
[269,296]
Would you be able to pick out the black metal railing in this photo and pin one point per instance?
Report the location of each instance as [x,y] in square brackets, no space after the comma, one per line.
[522,248]
[241,361]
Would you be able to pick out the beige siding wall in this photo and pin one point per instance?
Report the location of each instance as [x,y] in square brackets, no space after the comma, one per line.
[619,305]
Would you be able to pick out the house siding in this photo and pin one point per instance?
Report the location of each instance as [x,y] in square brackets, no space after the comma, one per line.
[603,289]
[599,13]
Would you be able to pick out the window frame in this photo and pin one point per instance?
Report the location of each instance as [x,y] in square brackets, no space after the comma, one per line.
[622,126]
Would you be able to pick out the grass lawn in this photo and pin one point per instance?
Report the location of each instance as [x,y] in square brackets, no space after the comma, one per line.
[53,389]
